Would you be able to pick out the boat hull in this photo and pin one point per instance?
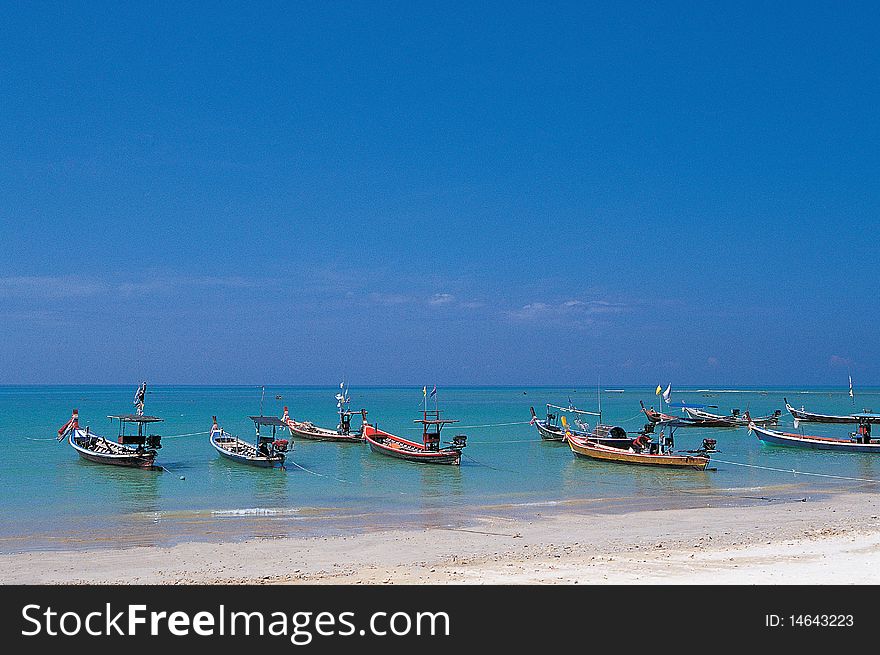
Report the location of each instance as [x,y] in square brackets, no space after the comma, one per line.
[410,451]
[791,440]
[315,433]
[708,419]
[129,459]
[225,451]
[550,433]
[802,416]
[597,451]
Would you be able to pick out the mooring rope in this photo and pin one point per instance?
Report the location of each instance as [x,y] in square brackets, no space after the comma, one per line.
[490,425]
[494,468]
[320,475]
[795,471]
[472,441]
[188,434]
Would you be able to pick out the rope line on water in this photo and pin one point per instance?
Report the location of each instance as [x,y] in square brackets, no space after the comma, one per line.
[491,425]
[169,436]
[320,475]
[471,441]
[188,434]
[794,471]
[494,468]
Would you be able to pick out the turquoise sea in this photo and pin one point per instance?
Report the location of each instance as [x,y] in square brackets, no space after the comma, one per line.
[52,499]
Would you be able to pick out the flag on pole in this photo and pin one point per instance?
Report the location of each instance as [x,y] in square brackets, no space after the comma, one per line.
[434,391]
[139,398]
[659,390]
[667,393]
[425,391]
[850,388]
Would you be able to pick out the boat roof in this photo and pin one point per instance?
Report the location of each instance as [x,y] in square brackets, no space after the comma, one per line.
[435,421]
[574,410]
[868,415]
[268,420]
[136,418]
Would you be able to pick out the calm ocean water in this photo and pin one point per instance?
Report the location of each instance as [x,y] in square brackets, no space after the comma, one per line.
[52,499]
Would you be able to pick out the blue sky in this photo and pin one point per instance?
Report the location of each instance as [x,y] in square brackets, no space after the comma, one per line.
[402,192]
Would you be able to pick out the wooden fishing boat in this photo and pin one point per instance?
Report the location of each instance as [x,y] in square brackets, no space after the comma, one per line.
[656,417]
[411,451]
[860,442]
[640,450]
[735,418]
[343,432]
[136,450]
[803,416]
[549,429]
[430,451]
[266,451]
[672,421]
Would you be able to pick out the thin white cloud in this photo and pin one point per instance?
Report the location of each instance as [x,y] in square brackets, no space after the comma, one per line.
[53,287]
[573,310]
[378,298]
[441,299]
[47,287]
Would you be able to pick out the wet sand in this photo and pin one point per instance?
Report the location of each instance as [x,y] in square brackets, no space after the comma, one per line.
[814,540]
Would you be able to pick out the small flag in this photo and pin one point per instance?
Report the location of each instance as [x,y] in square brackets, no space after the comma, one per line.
[667,393]
[139,398]
[850,387]
[434,391]
[659,390]
[425,390]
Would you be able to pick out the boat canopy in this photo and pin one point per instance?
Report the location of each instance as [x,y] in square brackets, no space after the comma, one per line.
[573,410]
[268,420]
[136,418]
[868,417]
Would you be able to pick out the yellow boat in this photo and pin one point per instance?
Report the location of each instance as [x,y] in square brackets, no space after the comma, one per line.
[629,451]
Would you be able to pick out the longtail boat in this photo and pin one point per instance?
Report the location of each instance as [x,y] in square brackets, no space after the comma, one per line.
[656,417]
[803,416]
[430,451]
[617,446]
[859,442]
[549,429]
[734,418]
[343,432]
[266,451]
[137,450]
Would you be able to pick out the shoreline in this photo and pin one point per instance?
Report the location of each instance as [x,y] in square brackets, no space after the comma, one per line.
[169,528]
[832,539]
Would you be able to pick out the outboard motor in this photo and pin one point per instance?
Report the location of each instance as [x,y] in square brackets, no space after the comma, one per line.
[280,445]
[154,441]
[459,441]
[709,445]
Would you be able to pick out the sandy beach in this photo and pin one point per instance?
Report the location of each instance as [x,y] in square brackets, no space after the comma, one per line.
[831,540]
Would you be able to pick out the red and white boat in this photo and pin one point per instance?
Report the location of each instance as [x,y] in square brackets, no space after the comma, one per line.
[429,451]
